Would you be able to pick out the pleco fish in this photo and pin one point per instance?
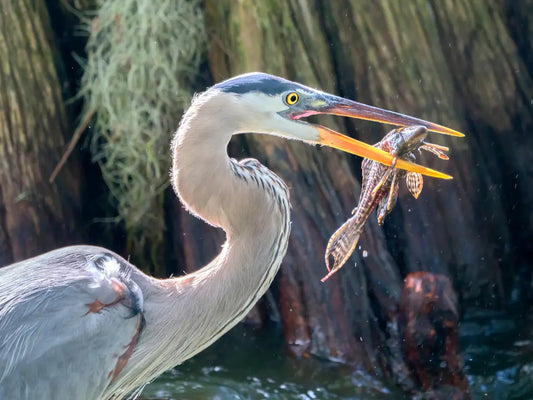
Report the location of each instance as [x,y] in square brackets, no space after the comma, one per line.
[379,189]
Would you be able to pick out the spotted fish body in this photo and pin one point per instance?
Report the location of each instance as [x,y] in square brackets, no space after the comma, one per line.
[380,184]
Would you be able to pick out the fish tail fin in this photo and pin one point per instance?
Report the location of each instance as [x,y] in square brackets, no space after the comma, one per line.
[341,246]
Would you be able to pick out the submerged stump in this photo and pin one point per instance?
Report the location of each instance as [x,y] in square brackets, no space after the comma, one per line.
[428,325]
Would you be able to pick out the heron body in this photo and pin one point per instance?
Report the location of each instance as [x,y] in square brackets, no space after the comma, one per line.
[83,323]
[46,322]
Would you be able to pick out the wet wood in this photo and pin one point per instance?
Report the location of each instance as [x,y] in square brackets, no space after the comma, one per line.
[429,330]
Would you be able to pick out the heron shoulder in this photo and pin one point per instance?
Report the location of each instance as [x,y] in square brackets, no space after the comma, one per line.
[90,269]
[56,310]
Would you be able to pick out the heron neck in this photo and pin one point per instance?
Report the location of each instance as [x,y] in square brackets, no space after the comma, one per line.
[244,198]
[202,174]
[186,314]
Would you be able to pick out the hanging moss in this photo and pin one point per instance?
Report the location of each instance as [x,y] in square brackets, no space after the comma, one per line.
[142,57]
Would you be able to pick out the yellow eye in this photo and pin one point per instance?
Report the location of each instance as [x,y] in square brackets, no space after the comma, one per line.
[292,98]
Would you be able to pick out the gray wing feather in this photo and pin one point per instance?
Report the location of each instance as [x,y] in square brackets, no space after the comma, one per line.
[47,328]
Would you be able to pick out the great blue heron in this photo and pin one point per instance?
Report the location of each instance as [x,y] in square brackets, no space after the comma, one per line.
[83,323]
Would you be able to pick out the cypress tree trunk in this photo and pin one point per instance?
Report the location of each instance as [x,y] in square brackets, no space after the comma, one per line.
[465,64]
[455,63]
[35,215]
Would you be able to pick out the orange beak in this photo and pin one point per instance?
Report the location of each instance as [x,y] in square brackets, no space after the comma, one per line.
[339,141]
[335,105]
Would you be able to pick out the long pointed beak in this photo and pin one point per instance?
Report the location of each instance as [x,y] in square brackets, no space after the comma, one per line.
[335,105]
[329,137]
[348,108]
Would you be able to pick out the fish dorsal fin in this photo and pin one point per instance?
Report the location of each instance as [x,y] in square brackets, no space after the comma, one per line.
[414,182]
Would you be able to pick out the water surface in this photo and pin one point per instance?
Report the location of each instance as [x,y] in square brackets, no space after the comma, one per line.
[497,348]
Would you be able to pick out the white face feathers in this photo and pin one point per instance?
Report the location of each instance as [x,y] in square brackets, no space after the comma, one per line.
[269,114]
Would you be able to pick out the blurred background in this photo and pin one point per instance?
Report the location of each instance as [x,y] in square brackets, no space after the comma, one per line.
[120,74]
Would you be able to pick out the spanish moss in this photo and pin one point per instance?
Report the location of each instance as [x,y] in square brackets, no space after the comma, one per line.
[137,81]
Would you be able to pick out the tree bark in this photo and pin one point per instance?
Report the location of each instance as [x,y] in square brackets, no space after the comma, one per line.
[35,215]
[465,64]
[455,63]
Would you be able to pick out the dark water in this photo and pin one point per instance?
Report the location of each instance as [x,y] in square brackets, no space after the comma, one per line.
[498,352]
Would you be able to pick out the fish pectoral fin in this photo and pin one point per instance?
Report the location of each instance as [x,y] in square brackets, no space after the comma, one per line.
[341,246]
[381,181]
[386,203]
[381,210]
[393,193]
[436,149]
[414,182]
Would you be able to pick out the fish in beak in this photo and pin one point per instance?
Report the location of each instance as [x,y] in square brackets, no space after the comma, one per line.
[334,105]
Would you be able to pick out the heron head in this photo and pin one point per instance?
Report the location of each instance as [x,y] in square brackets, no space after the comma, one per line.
[277,106]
